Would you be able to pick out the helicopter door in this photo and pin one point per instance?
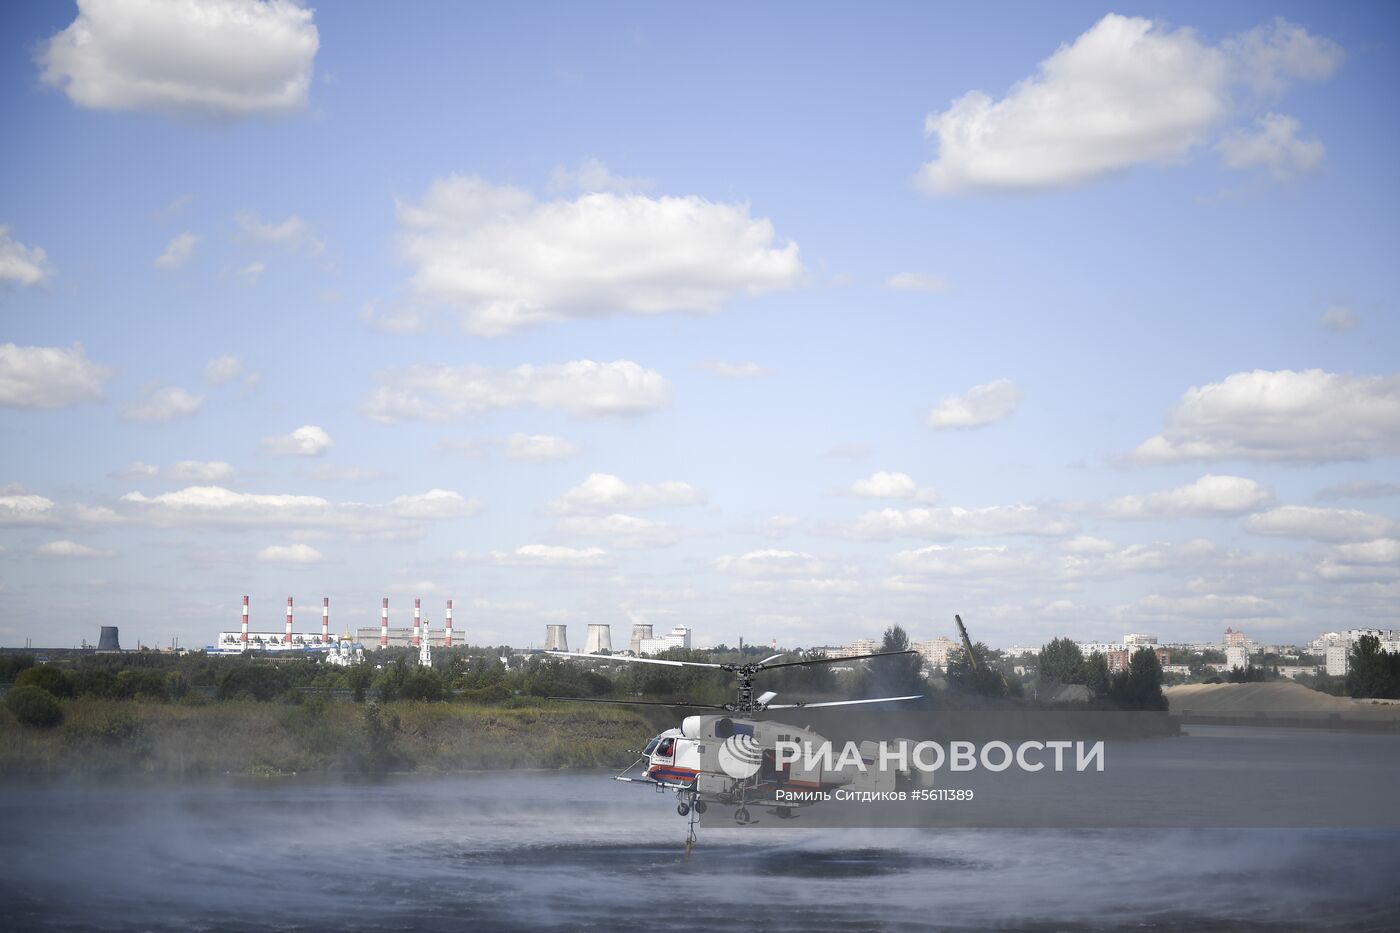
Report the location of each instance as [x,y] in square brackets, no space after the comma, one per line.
[667,749]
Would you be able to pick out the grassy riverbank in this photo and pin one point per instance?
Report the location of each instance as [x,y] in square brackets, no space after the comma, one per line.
[164,739]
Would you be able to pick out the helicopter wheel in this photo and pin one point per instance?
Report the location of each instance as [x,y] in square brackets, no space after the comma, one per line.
[741,815]
[683,809]
[700,806]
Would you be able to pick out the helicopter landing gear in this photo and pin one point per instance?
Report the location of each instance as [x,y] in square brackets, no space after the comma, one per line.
[700,806]
[683,808]
[741,816]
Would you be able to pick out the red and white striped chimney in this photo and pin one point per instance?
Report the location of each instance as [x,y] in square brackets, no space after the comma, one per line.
[288,638]
[417,607]
[384,624]
[325,620]
[244,638]
[447,627]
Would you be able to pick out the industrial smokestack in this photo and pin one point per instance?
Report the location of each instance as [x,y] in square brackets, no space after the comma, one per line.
[244,636]
[288,638]
[447,627]
[325,620]
[640,631]
[384,624]
[599,639]
[417,606]
[107,639]
[556,638]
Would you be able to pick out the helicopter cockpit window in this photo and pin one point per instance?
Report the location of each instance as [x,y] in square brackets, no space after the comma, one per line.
[651,746]
[666,748]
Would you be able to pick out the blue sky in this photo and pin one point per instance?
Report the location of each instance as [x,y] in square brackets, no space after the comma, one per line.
[821,339]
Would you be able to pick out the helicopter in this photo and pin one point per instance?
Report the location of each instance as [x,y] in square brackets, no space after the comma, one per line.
[728,758]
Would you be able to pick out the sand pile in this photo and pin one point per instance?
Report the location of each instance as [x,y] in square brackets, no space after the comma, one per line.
[1245,699]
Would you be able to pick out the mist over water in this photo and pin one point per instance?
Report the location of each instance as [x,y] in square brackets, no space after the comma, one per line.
[553,851]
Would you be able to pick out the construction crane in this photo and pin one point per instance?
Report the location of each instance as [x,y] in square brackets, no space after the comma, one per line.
[973,661]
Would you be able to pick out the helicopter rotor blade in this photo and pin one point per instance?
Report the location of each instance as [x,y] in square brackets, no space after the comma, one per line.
[855,657]
[674,703]
[774,657]
[569,655]
[843,702]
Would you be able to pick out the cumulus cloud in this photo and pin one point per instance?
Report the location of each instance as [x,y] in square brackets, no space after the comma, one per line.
[1359,489]
[290,554]
[1274,145]
[198,471]
[226,58]
[1209,495]
[889,485]
[67,548]
[773,562]
[1309,416]
[506,261]
[221,370]
[1361,561]
[163,403]
[539,448]
[916,282]
[581,388]
[48,377]
[306,441]
[733,370]
[20,264]
[603,492]
[957,522]
[1127,92]
[1321,524]
[292,233]
[979,406]
[218,506]
[623,531]
[593,175]
[1338,318]
[548,555]
[21,508]
[178,251]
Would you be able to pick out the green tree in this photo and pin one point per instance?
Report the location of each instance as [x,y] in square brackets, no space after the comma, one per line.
[1140,686]
[1371,672]
[981,680]
[251,680]
[34,706]
[1096,676]
[47,677]
[1062,661]
[895,676]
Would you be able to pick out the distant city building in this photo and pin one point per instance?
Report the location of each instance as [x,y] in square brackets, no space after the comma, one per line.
[1119,658]
[677,637]
[1338,660]
[934,652]
[1235,639]
[1182,669]
[345,652]
[232,642]
[403,637]
[1136,640]
[1237,656]
[640,632]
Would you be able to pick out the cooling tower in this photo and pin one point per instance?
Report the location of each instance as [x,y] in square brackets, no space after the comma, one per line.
[556,638]
[640,630]
[599,639]
[107,640]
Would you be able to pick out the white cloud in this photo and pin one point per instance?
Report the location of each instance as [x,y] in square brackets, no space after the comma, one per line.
[1209,495]
[1359,489]
[291,554]
[223,369]
[623,531]
[772,562]
[292,234]
[733,370]
[1320,524]
[1207,606]
[1338,318]
[306,441]
[163,403]
[539,448]
[888,485]
[1273,145]
[1362,561]
[603,492]
[20,264]
[581,388]
[980,405]
[48,377]
[916,282]
[507,261]
[178,251]
[1127,92]
[225,58]
[593,175]
[251,273]
[218,506]
[20,508]
[198,471]
[547,555]
[958,522]
[69,549]
[1310,416]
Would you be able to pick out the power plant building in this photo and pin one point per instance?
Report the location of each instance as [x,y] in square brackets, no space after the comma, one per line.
[641,631]
[599,639]
[677,637]
[556,638]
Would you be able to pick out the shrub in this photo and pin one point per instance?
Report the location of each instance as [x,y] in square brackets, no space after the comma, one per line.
[33,706]
[95,682]
[253,681]
[47,678]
